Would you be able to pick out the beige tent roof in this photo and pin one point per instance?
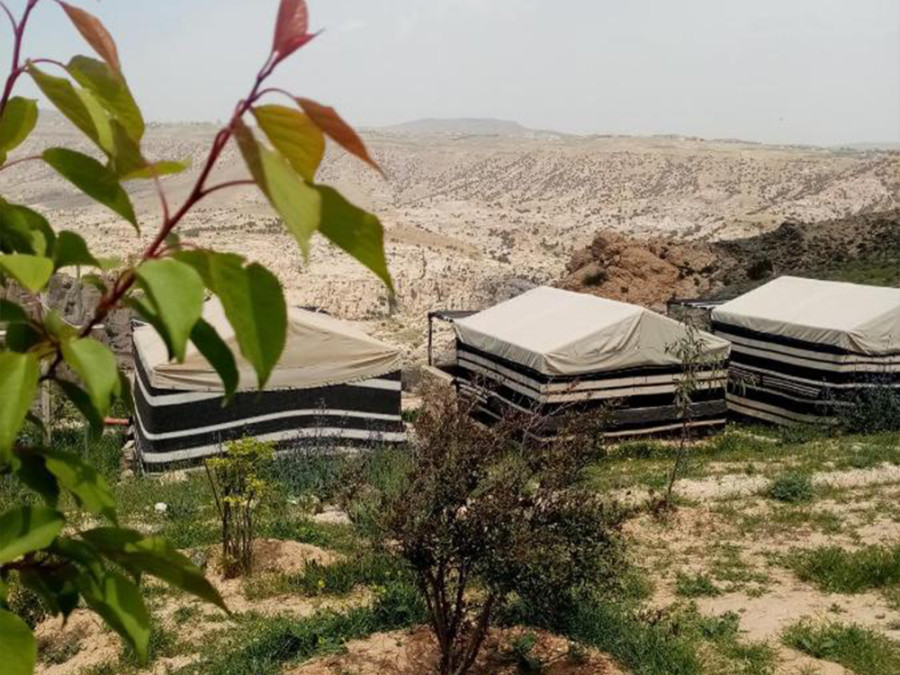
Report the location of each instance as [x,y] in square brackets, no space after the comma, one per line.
[319,351]
[858,318]
[559,332]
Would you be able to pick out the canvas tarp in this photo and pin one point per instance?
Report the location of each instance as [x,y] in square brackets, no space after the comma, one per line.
[319,351]
[557,332]
[857,318]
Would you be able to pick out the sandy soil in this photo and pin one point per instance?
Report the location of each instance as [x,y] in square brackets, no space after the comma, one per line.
[87,642]
[729,486]
[415,653]
[694,538]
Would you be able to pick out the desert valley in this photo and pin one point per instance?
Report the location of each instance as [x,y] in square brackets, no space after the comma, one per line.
[478,210]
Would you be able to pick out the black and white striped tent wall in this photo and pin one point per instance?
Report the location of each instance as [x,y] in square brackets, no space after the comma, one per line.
[801,348]
[333,385]
[549,351]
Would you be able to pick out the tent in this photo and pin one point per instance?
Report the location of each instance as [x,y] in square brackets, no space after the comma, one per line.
[332,382]
[801,347]
[550,350]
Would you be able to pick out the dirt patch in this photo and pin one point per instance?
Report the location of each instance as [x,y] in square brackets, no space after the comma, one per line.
[81,642]
[85,641]
[730,486]
[415,653]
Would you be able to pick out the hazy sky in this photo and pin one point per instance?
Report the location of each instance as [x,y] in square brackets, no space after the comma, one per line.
[811,71]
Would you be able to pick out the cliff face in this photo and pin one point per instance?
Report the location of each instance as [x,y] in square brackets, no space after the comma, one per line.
[863,248]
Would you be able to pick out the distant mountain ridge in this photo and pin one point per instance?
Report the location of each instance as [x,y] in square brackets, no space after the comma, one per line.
[467,126]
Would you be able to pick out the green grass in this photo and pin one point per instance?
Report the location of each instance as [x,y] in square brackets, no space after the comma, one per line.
[677,640]
[695,585]
[339,578]
[761,450]
[863,651]
[264,645]
[837,570]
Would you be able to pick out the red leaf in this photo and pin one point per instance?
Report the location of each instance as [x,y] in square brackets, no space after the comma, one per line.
[95,33]
[337,130]
[291,28]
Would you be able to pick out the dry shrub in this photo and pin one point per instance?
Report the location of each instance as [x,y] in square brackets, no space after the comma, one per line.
[486,518]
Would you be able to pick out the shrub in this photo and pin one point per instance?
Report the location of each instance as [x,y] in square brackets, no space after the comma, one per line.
[238,489]
[872,410]
[479,508]
[792,487]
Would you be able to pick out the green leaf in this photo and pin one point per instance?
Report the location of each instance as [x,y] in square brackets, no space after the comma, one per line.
[138,554]
[18,648]
[250,152]
[96,365]
[119,602]
[55,585]
[22,337]
[23,230]
[255,307]
[92,178]
[32,470]
[126,157]
[66,99]
[32,271]
[19,118]
[214,349]
[19,375]
[253,302]
[176,291]
[294,135]
[56,326]
[100,119]
[357,232]
[27,529]
[72,249]
[163,168]
[298,203]
[82,401]
[82,481]
[11,312]
[95,33]
[80,552]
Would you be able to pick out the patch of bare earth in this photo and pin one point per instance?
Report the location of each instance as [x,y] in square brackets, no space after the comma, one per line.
[697,539]
[416,653]
[85,642]
[732,485]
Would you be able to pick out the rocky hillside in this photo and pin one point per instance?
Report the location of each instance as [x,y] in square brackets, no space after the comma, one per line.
[863,248]
[476,210]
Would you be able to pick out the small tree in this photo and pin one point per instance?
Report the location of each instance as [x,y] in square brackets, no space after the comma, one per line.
[238,488]
[693,354]
[163,280]
[485,518]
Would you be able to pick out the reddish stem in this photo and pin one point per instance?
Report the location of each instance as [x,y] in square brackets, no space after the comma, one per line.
[16,69]
[199,191]
[126,280]
[228,184]
[9,14]
[30,158]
